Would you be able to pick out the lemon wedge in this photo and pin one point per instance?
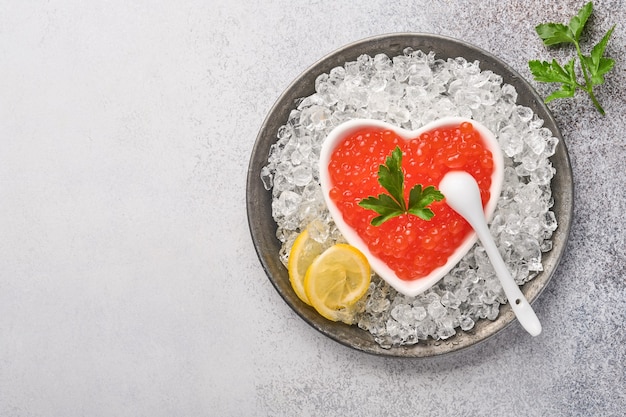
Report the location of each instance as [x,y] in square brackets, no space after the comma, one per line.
[304,250]
[336,280]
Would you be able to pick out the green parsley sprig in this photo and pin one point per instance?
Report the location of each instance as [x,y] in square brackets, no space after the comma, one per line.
[388,206]
[593,66]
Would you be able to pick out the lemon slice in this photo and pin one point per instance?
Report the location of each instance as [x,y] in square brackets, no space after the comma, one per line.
[304,250]
[336,280]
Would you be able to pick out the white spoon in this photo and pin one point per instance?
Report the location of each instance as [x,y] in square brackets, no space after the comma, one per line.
[463,196]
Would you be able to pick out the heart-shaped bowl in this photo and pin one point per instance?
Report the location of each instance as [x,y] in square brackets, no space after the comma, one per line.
[416,286]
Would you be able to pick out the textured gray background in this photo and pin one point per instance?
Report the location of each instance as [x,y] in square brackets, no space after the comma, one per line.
[129,285]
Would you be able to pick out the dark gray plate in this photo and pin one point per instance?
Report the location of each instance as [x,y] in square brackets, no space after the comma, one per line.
[263,227]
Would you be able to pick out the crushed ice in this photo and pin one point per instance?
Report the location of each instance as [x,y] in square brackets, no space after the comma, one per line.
[409,91]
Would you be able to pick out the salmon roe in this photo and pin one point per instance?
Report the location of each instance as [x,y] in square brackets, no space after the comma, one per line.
[410,246]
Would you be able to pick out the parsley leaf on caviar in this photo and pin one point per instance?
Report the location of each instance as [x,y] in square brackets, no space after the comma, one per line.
[391,177]
[419,199]
[593,66]
[384,205]
[388,206]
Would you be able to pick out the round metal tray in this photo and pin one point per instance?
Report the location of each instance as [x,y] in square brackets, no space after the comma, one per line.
[263,227]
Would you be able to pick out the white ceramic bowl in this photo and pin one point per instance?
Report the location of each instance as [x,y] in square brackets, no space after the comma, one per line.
[418,286]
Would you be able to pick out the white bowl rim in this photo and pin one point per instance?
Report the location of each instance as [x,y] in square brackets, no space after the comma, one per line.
[420,285]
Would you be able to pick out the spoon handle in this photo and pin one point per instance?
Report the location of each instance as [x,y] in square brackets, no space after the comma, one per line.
[521,307]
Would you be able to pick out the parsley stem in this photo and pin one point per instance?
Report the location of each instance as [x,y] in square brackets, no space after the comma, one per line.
[595,102]
[588,87]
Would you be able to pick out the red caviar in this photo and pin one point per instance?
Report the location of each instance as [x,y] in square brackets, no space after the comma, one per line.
[410,246]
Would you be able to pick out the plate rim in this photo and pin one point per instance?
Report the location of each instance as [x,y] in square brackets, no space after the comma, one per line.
[298,88]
